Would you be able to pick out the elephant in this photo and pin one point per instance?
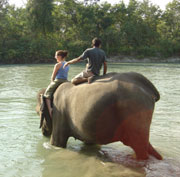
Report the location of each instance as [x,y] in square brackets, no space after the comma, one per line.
[114,107]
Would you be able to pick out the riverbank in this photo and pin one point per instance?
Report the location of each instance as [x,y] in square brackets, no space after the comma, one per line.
[131,59]
[126,59]
[111,59]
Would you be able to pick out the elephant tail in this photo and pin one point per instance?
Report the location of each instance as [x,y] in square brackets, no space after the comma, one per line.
[153,152]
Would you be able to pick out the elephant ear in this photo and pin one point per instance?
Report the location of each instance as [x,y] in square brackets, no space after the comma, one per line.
[44,113]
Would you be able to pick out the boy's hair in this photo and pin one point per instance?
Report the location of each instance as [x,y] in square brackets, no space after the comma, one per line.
[62,53]
[96,42]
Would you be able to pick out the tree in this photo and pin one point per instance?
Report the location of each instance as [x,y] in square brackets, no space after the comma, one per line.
[151,15]
[91,2]
[33,33]
[3,27]
[169,29]
[3,12]
[172,19]
[40,15]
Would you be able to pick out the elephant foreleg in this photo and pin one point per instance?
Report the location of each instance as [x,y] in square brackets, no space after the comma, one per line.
[60,133]
[59,141]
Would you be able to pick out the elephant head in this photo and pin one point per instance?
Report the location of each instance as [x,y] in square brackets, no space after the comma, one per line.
[45,119]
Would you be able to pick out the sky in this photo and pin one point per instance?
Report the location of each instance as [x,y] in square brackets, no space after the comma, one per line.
[161,3]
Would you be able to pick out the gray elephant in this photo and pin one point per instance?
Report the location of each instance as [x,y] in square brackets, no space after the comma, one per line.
[114,107]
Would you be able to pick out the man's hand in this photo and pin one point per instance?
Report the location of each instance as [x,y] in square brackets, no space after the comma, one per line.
[72,61]
[105,68]
[66,64]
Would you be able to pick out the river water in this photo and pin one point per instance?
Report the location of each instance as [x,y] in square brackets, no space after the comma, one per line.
[24,152]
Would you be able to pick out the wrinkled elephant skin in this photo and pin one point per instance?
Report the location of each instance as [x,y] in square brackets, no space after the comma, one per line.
[114,107]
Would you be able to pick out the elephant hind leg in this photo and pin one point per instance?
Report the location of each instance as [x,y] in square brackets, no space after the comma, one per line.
[141,152]
[154,153]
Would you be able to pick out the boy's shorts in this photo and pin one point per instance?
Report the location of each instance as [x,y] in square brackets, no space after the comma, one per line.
[52,87]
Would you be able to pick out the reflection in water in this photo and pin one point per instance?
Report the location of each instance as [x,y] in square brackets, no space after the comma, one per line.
[25,152]
[81,160]
[110,160]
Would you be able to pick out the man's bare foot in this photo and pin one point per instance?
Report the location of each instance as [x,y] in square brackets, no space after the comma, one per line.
[90,79]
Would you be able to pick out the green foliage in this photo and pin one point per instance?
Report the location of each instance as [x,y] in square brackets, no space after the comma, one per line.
[33,34]
[40,15]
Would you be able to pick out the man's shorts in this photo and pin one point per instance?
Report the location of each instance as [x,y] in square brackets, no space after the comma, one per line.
[84,74]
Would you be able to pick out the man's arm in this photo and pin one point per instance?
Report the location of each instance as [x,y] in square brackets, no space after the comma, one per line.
[75,60]
[105,68]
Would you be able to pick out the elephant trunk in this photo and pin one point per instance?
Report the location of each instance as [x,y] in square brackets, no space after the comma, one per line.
[45,119]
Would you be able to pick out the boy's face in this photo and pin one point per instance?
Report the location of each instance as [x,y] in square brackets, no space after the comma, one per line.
[58,58]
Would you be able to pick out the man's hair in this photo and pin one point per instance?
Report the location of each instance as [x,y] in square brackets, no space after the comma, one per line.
[96,42]
[62,53]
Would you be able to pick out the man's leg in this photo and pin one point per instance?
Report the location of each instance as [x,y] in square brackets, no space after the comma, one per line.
[84,76]
[91,79]
[79,80]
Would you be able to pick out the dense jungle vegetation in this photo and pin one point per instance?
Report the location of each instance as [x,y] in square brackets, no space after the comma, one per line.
[32,34]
